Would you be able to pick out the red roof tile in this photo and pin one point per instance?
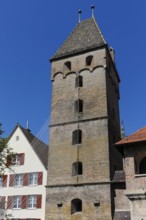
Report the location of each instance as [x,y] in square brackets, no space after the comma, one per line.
[137,136]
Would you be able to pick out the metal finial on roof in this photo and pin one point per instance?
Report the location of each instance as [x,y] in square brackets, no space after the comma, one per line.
[27,126]
[122,130]
[92,8]
[79,13]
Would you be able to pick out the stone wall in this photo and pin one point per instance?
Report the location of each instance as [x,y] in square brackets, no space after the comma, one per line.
[90,199]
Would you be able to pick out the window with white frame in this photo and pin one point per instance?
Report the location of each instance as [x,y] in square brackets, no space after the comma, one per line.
[32,201]
[1,181]
[16,202]
[18,180]
[33,179]
[16,159]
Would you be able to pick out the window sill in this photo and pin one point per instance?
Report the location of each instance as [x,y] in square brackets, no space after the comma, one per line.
[17,208]
[140,175]
[33,185]
[77,213]
[32,208]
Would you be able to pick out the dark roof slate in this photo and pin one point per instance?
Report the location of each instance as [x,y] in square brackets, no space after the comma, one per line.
[86,35]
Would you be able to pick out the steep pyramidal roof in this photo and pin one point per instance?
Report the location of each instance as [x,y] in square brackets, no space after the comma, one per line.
[85,36]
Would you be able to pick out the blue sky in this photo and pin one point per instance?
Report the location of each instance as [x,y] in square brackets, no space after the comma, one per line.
[30,33]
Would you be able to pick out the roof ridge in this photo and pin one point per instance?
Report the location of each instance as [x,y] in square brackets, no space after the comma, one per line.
[137,131]
[99,30]
[85,36]
[138,135]
[31,138]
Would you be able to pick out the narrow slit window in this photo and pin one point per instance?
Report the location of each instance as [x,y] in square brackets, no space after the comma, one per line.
[89,60]
[77,137]
[142,166]
[79,81]
[77,168]
[76,206]
[78,106]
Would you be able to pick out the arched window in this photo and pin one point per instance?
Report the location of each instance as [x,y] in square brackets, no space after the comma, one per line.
[79,81]
[78,106]
[77,168]
[142,166]
[76,206]
[67,65]
[89,60]
[77,137]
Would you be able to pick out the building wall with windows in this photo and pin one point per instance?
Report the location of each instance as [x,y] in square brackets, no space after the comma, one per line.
[134,152]
[84,125]
[22,188]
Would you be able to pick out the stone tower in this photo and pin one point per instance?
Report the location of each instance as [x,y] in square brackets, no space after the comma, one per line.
[84,125]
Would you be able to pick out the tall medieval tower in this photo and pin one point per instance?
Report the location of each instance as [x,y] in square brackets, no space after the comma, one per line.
[84,125]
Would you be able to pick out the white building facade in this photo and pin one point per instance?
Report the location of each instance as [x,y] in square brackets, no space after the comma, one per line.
[22,189]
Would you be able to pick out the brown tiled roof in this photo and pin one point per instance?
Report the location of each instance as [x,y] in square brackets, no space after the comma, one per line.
[86,35]
[138,136]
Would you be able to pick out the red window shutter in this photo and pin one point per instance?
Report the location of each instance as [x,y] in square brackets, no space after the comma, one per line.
[21,158]
[39,201]
[25,179]
[4,180]
[9,160]
[40,178]
[23,202]
[9,203]
[11,183]
[2,202]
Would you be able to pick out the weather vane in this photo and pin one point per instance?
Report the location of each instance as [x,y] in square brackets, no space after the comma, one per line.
[79,13]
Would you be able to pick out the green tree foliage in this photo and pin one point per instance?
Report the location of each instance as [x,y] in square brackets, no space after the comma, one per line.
[5,153]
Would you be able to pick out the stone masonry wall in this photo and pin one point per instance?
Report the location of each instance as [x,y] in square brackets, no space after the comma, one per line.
[64,195]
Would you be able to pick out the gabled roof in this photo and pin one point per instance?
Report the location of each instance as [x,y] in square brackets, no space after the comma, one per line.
[85,36]
[40,148]
[138,136]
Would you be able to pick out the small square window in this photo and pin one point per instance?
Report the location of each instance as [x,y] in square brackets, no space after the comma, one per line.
[15,159]
[17,138]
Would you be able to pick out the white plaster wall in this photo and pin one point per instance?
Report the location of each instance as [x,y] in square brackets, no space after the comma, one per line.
[31,164]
